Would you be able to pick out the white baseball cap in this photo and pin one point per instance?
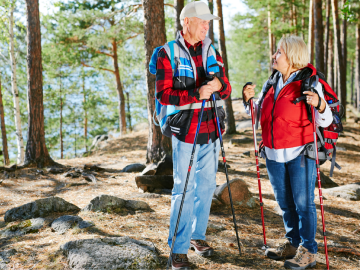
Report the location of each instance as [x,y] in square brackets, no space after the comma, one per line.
[197,9]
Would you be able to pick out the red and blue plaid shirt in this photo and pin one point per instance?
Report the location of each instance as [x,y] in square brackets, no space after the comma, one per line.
[208,128]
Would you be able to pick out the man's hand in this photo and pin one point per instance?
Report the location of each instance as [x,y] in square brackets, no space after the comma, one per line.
[205,91]
[215,84]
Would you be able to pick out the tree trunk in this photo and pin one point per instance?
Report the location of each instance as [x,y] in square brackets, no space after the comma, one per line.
[352,82]
[341,81]
[230,127]
[3,131]
[85,112]
[154,36]
[357,66]
[319,35]
[343,39]
[303,29]
[119,88]
[15,91]
[311,31]
[327,32]
[295,19]
[211,28]
[61,120]
[36,151]
[270,35]
[330,62]
[128,114]
[179,5]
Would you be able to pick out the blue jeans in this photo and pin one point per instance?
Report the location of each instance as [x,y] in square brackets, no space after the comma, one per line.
[294,191]
[199,192]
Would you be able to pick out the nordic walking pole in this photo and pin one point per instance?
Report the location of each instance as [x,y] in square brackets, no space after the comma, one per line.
[226,172]
[319,185]
[186,183]
[264,247]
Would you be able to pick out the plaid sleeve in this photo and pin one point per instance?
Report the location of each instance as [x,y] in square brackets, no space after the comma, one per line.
[226,89]
[164,85]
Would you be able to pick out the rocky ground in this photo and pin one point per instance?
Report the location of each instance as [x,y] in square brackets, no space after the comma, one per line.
[78,229]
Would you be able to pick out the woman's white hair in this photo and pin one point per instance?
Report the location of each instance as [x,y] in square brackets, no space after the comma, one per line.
[295,50]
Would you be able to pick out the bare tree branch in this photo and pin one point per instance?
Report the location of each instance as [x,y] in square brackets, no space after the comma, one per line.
[85,65]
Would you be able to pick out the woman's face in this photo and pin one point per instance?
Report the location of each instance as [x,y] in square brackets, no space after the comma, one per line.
[280,62]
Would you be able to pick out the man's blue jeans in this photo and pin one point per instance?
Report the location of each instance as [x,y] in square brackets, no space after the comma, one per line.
[294,191]
[199,192]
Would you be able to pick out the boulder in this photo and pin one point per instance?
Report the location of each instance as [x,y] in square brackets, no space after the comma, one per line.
[241,141]
[24,227]
[105,203]
[137,205]
[40,208]
[239,191]
[136,167]
[62,224]
[5,258]
[349,192]
[111,253]
[152,182]
[326,181]
[97,139]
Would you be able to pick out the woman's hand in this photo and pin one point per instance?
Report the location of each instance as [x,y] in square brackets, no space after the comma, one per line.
[313,100]
[248,92]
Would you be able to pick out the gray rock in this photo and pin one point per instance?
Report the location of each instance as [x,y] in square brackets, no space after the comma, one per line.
[39,208]
[136,167]
[247,153]
[215,226]
[221,165]
[62,224]
[349,192]
[4,258]
[137,205]
[262,166]
[85,224]
[105,203]
[241,141]
[111,253]
[24,227]
[149,196]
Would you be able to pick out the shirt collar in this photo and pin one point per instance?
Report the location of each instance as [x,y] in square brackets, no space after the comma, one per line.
[188,45]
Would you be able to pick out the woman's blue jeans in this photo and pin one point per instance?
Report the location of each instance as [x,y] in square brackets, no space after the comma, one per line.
[199,192]
[294,191]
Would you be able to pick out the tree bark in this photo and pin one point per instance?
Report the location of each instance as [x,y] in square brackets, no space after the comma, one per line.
[330,62]
[85,111]
[179,5]
[327,32]
[343,39]
[311,31]
[270,36]
[36,153]
[154,36]
[230,127]
[295,19]
[341,81]
[61,120]
[211,26]
[128,114]
[303,29]
[319,35]
[352,82]
[357,65]
[3,131]
[15,91]
[120,92]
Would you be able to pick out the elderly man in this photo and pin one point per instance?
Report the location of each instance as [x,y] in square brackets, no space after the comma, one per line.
[185,87]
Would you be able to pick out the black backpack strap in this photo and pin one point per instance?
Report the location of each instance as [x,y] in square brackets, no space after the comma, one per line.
[333,163]
[272,82]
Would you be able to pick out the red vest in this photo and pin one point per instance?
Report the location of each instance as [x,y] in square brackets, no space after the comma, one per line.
[284,124]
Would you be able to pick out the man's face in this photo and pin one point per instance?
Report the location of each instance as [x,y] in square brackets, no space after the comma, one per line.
[197,28]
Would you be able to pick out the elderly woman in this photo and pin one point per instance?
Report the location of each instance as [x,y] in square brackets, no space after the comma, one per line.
[286,130]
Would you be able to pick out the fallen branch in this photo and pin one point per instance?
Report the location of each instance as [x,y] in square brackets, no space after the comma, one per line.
[345,250]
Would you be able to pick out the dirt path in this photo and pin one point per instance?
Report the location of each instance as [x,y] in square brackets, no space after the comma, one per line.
[40,250]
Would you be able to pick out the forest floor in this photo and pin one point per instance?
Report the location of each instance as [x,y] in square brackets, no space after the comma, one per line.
[41,250]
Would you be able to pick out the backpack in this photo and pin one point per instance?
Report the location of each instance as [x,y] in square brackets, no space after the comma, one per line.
[164,111]
[327,137]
